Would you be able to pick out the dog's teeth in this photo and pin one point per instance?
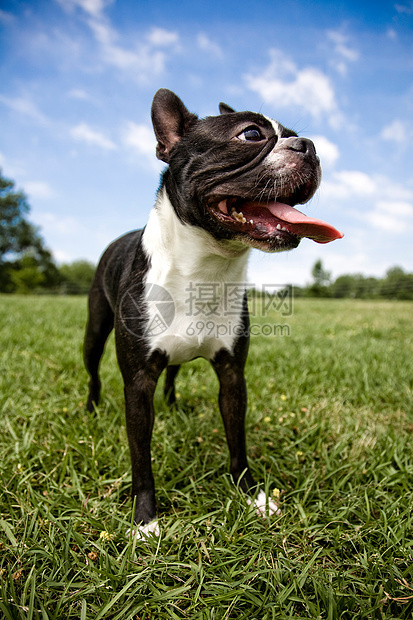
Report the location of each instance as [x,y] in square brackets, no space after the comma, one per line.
[239,217]
[278,226]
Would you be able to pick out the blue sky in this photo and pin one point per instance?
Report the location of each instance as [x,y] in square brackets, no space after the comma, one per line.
[77,81]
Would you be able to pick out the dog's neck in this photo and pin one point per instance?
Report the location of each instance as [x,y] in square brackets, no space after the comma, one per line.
[178,249]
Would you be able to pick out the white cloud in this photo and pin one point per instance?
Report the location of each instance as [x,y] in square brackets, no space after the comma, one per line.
[407,9]
[396,131]
[25,107]
[6,18]
[103,31]
[142,141]
[392,191]
[140,137]
[208,46]
[392,34]
[348,183]
[161,37]
[146,58]
[11,169]
[391,215]
[38,189]
[81,95]
[295,267]
[384,221]
[397,208]
[64,257]
[342,52]
[374,199]
[282,84]
[52,224]
[345,184]
[92,7]
[326,150]
[84,133]
[142,64]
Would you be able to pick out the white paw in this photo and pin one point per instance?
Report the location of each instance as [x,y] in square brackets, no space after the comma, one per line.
[264,506]
[143,531]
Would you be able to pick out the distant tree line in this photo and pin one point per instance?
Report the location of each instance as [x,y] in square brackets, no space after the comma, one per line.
[27,266]
[396,284]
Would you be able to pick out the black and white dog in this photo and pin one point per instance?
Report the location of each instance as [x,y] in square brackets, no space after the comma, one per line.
[231,185]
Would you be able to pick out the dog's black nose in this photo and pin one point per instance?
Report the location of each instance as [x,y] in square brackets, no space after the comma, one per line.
[301,145]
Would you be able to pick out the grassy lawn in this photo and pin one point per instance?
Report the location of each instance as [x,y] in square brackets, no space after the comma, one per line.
[330,425]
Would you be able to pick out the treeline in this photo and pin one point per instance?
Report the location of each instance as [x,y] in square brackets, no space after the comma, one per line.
[37,275]
[26,265]
[396,284]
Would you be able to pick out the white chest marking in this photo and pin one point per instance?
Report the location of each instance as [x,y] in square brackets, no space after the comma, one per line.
[202,279]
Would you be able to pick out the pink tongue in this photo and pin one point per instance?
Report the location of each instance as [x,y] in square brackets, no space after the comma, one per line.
[303,226]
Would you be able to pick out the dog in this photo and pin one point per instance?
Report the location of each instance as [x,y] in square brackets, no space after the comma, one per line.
[168,290]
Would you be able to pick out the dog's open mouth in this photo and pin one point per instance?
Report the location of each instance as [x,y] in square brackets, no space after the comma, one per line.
[266,220]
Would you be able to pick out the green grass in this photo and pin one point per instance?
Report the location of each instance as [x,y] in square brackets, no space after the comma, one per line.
[329,424]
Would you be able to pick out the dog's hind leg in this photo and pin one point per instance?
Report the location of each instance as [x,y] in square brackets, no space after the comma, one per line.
[169,387]
[99,326]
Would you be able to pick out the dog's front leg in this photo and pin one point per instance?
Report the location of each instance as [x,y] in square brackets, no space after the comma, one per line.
[233,405]
[139,391]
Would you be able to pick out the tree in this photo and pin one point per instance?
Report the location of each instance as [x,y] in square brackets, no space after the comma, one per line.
[397,284]
[16,234]
[77,277]
[344,286]
[322,281]
[356,286]
[25,263]
[26,277]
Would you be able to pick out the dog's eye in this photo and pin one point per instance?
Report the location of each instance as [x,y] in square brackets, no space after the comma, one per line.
[251,134]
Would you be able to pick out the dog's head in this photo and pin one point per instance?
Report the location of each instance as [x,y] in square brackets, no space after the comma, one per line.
[238,175]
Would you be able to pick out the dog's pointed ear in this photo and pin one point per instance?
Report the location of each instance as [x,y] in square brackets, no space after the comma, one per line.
[225,109]
[171,121]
